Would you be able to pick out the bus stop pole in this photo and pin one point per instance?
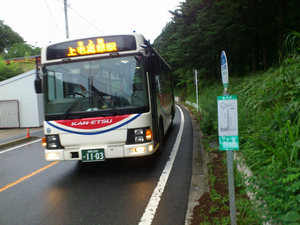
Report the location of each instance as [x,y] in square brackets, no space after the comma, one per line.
[231,187]
[196,74]
[231,182]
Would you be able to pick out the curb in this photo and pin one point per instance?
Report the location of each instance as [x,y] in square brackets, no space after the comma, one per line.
[199,171]
[17,142]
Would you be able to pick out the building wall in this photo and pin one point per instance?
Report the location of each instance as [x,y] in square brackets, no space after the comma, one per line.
[21,88]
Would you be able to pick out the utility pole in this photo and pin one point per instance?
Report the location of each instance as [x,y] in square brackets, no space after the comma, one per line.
[66,19]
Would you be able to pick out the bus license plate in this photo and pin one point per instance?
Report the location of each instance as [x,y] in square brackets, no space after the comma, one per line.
[93,155]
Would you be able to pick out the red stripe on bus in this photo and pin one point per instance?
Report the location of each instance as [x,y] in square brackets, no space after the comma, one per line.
[92,123]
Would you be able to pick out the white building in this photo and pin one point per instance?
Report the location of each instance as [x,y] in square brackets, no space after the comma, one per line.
[20,106]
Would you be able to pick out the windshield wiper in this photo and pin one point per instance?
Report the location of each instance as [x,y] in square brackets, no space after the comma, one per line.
[72,107]
[116,111]
[66,114]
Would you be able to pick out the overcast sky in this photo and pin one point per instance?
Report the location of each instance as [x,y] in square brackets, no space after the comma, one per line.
[42,21]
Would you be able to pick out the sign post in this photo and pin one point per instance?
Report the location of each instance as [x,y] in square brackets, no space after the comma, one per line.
[228,132]
[196,82]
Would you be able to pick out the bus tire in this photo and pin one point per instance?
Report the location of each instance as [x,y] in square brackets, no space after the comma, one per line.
[160,139]
[172,118]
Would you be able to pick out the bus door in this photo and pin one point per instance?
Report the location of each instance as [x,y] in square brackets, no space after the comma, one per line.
[155,121]
[152,67]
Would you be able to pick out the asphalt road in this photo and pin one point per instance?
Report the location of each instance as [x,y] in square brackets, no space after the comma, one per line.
[112,192]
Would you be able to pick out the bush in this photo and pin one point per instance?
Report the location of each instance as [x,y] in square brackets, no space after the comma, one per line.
[208,107]
[10,70]
[269,127]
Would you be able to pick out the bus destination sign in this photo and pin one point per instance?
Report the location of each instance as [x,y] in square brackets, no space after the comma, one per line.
[91,46]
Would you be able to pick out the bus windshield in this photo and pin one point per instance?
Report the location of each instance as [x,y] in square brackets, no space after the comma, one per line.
[95,86]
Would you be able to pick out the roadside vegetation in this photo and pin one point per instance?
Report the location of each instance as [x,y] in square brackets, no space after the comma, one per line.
[269,127]
[12,45]
[261,40]
[14,68]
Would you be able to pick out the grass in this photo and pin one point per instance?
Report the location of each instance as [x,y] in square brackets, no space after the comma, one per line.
[269,126]
[14,68]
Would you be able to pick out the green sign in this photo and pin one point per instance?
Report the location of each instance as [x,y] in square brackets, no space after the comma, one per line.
[229,143]
[227,97]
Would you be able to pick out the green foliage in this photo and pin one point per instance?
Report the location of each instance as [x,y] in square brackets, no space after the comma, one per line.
[208,105]
[292,217]
[12,45]
[251,33]
[278,144]
[269,128]
[270,139]
[245,213]
[8,37]
[9,70]
[22,50]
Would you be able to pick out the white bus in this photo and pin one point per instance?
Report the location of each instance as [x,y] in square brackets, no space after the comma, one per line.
[104,97]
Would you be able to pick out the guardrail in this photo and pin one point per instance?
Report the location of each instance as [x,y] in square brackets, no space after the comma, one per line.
[189,103]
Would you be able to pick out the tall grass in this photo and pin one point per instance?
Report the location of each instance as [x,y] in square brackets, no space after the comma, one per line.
[269,127]
[208,105]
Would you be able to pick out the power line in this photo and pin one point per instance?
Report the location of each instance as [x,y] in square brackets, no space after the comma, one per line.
[85,19]
[89,17]
[52,16]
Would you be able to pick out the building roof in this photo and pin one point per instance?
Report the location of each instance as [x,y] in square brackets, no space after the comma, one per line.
[18,77]
[30,58]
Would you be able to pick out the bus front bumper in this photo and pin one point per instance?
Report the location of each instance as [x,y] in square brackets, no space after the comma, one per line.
[111,151]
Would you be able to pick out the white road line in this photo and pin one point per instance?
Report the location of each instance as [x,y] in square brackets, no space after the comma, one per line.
[19,146]
[156,195]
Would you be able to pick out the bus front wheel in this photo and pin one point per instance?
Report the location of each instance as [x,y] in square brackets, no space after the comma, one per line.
[160,139]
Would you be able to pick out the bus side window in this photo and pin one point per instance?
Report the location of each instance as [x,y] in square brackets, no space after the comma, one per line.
[158,89]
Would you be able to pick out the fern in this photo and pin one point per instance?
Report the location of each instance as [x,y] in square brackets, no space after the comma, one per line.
[291,177]
[293,169]
[294,187]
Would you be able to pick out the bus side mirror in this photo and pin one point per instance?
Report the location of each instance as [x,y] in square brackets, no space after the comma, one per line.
[38,80]
[151,62]
[38,85]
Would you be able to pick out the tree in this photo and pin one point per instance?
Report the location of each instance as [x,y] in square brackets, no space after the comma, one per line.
[8,37]
[22,50]
[9,70]
[251,33]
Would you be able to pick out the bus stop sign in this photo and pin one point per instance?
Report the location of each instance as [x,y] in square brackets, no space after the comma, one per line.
[228,122]
[224,70]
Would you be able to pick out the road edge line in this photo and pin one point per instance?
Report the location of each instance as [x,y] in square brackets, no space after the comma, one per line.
[159,189]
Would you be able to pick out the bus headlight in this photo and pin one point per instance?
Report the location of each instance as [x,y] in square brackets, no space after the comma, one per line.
[139,139]
[140,149]
[52,155]
[53,142]
[139,135]
[150,148]
[52,145]
[138,131]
